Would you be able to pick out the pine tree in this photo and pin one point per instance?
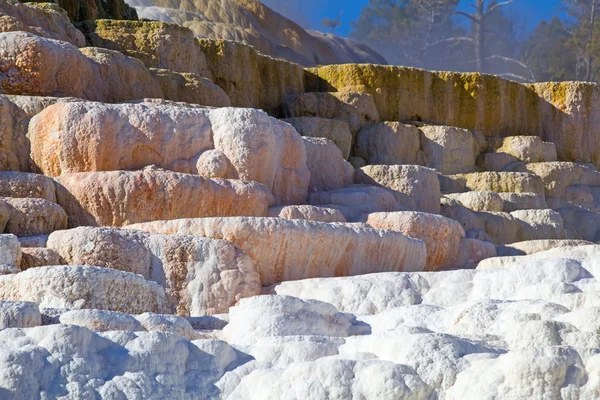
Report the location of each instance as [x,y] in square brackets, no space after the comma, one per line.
[585,37]
[548,53]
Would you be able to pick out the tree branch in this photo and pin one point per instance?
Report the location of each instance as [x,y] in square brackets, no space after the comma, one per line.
[452,39]
[512,60]
[595,74]
[514,76]
[496,6]
[464,14]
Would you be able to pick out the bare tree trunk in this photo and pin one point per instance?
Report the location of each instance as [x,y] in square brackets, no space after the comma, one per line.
[479,35]
[590,58]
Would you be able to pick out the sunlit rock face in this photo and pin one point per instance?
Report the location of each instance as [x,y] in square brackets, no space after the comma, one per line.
[253,23]
[287,249]
[561,113]
[46,20]
[420,335]
[187,218]
[171,136]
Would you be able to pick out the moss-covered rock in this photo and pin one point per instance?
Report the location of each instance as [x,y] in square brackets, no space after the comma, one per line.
[565,113]
[253,23]
[156,44]
[82,10]
[189,88]
[249,78]
[499,182]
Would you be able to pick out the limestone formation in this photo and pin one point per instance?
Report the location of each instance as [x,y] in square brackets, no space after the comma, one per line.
[16,112]
[5,212]
[420,325]
[527,149]
[260,148]
[120,198]
[45,20]
[142,353]
[105,321]
[567,256]
[84,287]
[417,183]
[309,213]
[156,44]
[442,236]
[213,164]
[549,153]
[499,182]
[84,10]
[522,201]
[111,73]
[10,250]
[253,23]
[245,228]
[264,150]
[555,111]
[479,200]
[389,143]
[448,150]
[325,164]
[353,373]
[348,174]
[312,318]
[33,257]
[558,176]
[19,314]
[46,67]
[355,202]
[26,185]
[249,78]
[101,320]
[537,246]
[55,68]
[506,228]
[537,224]
[33,216]
[9,269]
[200,276]
[295,249]
[167,323]
[336,131]
[496,162]
[524,280]
[581,223]
[33,241]
[37,66]
[356,109]
[189,88]
[472,251]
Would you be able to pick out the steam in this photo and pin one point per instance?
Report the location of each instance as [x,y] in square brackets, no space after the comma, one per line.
[295,10]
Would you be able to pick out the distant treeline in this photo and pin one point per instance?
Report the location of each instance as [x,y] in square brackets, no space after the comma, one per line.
[435,34]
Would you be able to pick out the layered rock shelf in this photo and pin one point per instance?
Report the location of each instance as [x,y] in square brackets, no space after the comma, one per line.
[192,218]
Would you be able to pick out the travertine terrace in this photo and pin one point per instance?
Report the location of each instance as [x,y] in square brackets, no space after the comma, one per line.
[188,218]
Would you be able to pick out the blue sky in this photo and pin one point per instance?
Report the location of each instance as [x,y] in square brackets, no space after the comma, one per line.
[311,12]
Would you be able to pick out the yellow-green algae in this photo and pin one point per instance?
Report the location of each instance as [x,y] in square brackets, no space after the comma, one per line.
[565,112]
[250,78]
